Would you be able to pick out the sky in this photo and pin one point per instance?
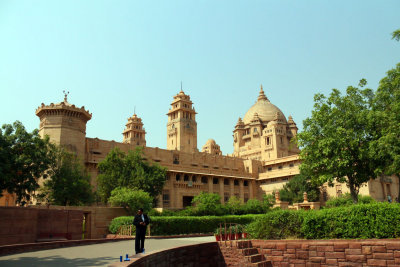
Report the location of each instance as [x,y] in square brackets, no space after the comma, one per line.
[115,57]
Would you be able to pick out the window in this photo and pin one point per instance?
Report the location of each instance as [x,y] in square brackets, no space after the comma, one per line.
[194,179]
[176,159]
[204,180]
[178,177]
[268,141]
[269,169]
[280,167]
[291,165]
[215,180]
[281,140]
[246,183]
[226,197]
[255,130]
[246,197]
[165,198]
[226,181]
[186,178]
[236,182]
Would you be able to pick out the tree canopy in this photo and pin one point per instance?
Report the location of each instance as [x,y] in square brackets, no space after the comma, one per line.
[386,145]
[294,189]
[24,158]
[336,139]
[131,171]
[68,184]
[131,200]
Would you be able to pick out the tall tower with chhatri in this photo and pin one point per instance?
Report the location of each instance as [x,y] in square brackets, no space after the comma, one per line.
[134,132]
[65,124]
[182,125]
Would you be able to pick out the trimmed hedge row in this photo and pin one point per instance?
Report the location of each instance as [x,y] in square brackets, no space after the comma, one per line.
[175,225]
[380,220]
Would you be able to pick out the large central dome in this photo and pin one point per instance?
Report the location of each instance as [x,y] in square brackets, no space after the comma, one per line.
[265,110]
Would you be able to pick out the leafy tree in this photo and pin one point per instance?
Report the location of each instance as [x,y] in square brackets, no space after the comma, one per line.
[234,205]
[129,170]
[396,35]
[269,200]
[255,206]
[293,191]
[386,117]
[336,139]
[207,204]
[68,183]
[131,200]
[24,158]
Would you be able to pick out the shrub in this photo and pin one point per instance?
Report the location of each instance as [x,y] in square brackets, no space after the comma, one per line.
[278,224]
[379,220]
[176,225]
[346,200]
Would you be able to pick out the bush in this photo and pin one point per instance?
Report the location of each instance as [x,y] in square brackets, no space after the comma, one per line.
[164,225]
[130,199]
[379,220]
[278,224]
[346,200]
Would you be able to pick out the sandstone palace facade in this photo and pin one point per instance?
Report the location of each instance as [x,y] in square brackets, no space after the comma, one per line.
[264,157]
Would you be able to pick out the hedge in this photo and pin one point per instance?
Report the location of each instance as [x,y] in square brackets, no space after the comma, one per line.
[378,220]
[177,225]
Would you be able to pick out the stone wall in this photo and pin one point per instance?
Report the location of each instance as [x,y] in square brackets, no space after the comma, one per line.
[98,218]
[19,225]
[330,252]
[206,254]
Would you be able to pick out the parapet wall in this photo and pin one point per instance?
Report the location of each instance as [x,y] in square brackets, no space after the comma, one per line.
[384,252]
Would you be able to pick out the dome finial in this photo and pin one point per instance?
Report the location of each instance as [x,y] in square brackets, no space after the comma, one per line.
[65,96]
[262,96]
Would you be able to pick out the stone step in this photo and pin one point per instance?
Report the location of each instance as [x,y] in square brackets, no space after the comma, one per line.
[249,251]
[262,264]
[244,244]
[255,258]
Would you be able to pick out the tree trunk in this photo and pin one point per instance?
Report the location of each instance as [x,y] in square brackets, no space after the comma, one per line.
[398,193]
[353,191]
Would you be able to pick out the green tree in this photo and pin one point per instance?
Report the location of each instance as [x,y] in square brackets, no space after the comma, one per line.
[234,205]
[293,191]
[396,35]
[131,200]
[68,183]
[255,206]
[207,204]
[25,157]
[336,138]
[130,170]
[386,117]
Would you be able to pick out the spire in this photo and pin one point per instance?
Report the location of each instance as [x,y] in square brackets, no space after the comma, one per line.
[65,96]
[262,96]
[181,92]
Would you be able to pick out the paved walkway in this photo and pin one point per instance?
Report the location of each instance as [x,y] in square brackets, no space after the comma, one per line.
[93,255]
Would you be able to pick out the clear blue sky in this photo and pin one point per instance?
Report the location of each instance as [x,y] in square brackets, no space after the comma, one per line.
[115,55]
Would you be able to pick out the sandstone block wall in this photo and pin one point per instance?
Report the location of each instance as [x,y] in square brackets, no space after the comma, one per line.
[330,252]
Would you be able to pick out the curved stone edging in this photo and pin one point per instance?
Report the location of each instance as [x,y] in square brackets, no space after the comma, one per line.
[203,254]
[29,247]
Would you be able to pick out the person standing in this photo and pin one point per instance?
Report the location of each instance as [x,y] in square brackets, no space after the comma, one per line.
[141,221]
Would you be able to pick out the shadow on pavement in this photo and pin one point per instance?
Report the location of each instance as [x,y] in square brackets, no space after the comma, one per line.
[57,261]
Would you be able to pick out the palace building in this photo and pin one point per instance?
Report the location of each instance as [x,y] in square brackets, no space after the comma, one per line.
[264,158]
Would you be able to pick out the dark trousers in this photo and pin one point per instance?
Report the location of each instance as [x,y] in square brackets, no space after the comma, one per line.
[139,239]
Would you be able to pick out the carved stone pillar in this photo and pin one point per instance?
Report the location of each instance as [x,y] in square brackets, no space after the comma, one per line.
[221,189]
[251,189]
[231,187]
[241,190]
[210,184]
[172,190]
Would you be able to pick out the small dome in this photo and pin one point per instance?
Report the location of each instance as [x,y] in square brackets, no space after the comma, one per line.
[210,141]
[264,109]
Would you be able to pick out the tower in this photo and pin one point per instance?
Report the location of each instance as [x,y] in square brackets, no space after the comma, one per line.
[65,124]
[182,125]
[134,132]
